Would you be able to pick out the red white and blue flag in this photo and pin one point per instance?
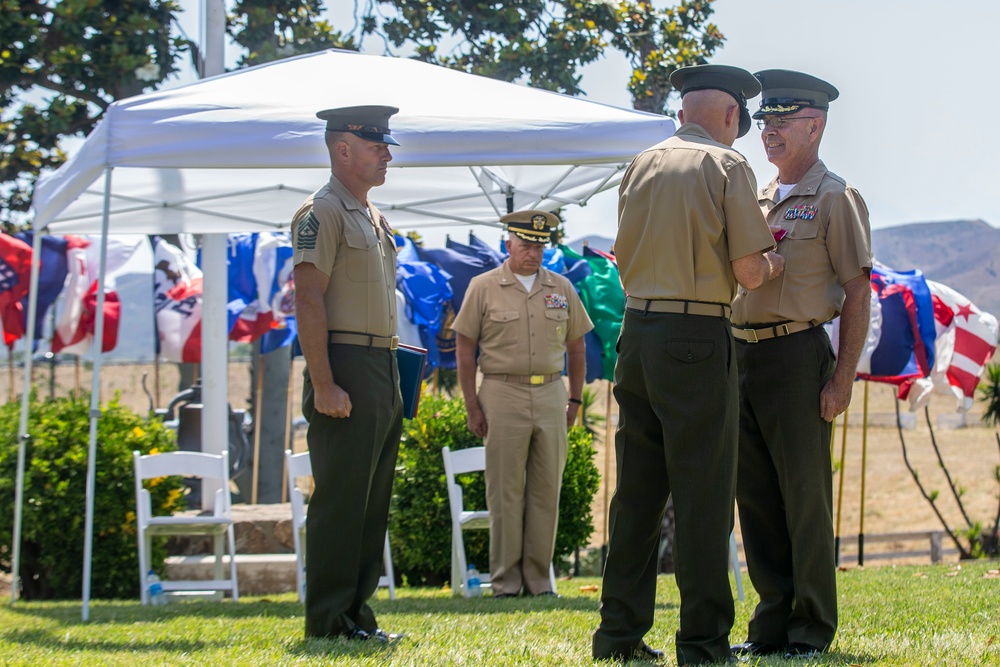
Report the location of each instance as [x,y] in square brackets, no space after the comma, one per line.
[901,333]
[966,340]
[15,276]
[177,286]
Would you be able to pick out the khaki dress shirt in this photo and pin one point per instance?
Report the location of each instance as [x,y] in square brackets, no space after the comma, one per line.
[521,333]
[333,231]
[687,208]
[826,243]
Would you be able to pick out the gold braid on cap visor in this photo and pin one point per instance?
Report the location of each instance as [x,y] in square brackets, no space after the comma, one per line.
[778,108]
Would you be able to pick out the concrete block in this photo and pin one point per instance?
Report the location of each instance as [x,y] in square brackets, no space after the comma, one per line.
[258,574]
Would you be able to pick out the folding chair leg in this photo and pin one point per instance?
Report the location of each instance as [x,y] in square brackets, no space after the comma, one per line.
[387,562]
[232,563]
[734,557]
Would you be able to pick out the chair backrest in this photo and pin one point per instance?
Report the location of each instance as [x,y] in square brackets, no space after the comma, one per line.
[187,464]
[183,464]
[299,465]
[460,461]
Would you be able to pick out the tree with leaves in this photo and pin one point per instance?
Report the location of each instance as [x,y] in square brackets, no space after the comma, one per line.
[65,62]
[545,42]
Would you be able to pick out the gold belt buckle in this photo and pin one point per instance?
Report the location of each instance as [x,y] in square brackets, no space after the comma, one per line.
[537,379]
[751,335]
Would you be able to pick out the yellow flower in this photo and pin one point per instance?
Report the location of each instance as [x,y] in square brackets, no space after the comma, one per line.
[138,432]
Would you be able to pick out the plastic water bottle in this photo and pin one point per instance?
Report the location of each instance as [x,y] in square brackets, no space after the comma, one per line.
[155,589]
[475,585]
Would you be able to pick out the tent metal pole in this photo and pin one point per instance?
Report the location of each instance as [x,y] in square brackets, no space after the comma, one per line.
[96,349]
[22,429]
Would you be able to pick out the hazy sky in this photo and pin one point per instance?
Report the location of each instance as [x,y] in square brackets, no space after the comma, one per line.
[915,126]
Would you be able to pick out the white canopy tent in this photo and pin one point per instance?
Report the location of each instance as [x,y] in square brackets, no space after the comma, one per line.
[240,151]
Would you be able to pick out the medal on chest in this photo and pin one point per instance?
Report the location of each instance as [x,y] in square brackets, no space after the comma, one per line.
[556,301]
[802,212]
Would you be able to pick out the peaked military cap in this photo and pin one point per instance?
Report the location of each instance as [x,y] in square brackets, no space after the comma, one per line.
[738,82]
[368,122]
[531,226]
[785,92]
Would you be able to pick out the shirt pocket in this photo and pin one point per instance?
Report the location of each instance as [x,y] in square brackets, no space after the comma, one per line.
[557,320]
[802,246]
[364,261]
[505,326]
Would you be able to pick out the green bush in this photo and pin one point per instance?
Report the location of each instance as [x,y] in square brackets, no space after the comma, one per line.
[420,519]
[54,509]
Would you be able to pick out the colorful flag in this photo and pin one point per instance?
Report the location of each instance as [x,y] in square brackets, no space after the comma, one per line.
[426,287]
[603,298]
[77,321]
[177,286]
[259,267]
[966,340]
[901,333]
[15,277]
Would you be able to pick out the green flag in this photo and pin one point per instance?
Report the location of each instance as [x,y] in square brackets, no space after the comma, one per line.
[604,300]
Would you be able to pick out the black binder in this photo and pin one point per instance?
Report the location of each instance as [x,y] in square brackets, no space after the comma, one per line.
[410,360]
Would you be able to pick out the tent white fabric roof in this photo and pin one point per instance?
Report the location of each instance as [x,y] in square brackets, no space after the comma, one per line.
[239,152]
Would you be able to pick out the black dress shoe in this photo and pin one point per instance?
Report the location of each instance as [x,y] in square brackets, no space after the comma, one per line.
[381,635]
[797,651]
[498,596]
[357,634]
[754,648]
[547,594]
[645,652]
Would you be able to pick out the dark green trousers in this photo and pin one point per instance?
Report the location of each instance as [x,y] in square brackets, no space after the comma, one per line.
[675,383]
[785,488]
[353,461]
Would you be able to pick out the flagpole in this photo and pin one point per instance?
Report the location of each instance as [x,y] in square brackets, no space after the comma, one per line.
[10,373]
[607,463]
[24,436]
[256,424]
[864,464]
[76,375]
[97,349]
[840,485]
[289,444]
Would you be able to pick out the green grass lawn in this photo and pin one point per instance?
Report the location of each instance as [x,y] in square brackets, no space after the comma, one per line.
[931,615]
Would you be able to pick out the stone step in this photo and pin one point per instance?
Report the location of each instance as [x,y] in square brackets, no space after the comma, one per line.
[257,574]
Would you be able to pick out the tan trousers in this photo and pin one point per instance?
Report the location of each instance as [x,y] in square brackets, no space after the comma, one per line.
[525,457]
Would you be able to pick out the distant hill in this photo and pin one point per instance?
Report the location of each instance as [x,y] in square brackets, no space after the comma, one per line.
[962,254]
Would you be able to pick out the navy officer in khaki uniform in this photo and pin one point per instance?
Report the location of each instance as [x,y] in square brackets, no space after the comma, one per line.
[689,229]
[345,305]
[528,323]
[791,388]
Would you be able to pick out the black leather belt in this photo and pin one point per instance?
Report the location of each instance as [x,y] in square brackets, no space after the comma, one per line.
[757,334]
[678,306]
[523,379]
[363,340]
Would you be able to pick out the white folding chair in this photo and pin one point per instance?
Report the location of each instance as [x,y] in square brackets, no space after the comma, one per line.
[299,465]
[217,525]
[459,462]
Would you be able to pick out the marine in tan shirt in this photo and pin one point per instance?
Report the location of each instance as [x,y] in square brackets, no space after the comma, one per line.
[689,230]
[791,387]
[345,306]
[528,323]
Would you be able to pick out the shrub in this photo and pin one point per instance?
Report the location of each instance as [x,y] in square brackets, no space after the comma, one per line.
[420,519]
[54,509]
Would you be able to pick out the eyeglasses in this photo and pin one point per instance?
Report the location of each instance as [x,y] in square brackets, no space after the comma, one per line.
[777,122]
